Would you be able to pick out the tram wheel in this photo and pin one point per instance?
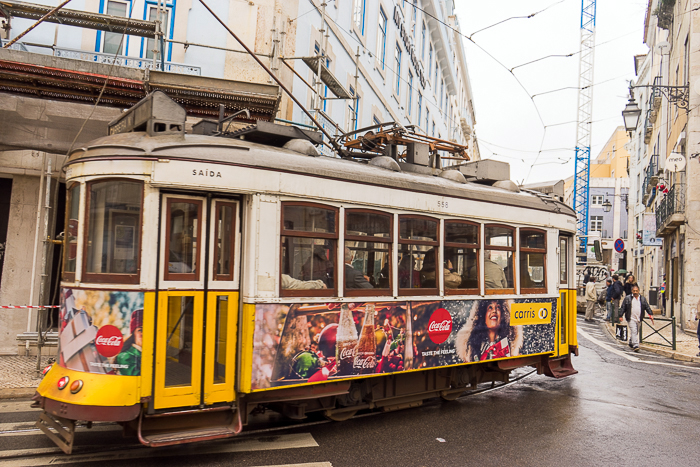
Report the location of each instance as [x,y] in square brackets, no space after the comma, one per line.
[340,415]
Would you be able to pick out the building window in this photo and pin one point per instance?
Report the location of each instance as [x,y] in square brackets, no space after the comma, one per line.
[151,42]
[422,47]
[409,100]
[442,90]
[427,120]
[420,106]
[436,73]
[415,22]
[359,16]
[433,132]
[375,120]
[397,69]
[381,37]
[317,51]
[596,224]
[418,246]
[533,248]
[597,200]
[499,255]
[113,40]
[353,111]
[430,59]
[309,239]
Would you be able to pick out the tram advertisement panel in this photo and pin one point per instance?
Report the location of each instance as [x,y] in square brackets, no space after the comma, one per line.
[299,343]
[101,331]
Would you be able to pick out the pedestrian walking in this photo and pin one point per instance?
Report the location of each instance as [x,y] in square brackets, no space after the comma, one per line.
[608,298]
[591,299]
[629,283]
[616,295]
[662,290]
[634,306]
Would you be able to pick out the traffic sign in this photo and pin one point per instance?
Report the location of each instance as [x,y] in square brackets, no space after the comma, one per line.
[619,245]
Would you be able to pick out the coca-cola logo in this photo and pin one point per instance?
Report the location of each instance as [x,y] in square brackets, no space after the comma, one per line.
[365,363]
[347,352]
[440,326]
[109,340]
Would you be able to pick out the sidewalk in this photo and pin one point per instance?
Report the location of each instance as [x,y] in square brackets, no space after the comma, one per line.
[686,344]
[18,376]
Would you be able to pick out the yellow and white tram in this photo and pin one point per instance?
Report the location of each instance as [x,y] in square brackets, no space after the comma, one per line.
[205,277]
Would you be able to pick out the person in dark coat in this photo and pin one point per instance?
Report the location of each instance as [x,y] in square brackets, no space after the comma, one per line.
[634,307]
[616,294]
[608,298]
[354,279]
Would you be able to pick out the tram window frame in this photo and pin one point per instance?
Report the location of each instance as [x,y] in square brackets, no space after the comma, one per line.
[69,276]
[436,246]
[195,275]
[231,276]
[375,291]
[111,278]
[563,260]
[513,249]
[521,256]
[476,246]
[328,292]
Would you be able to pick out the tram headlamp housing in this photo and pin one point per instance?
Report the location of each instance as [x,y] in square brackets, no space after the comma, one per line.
[76,386]
[63,382]
[46,370]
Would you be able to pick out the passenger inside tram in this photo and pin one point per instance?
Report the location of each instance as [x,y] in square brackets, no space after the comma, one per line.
[427,273]
[354,279]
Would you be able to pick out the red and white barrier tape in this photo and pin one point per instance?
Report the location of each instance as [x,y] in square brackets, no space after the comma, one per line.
[31,306]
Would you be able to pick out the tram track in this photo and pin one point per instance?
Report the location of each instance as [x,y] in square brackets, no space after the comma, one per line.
[27,428]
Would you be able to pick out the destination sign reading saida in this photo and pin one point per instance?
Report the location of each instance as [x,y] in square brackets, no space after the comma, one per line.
[530,313]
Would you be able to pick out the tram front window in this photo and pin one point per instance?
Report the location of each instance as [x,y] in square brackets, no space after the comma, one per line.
[114,231]
[309,239]
[183,238]
[72,212]
[499,251]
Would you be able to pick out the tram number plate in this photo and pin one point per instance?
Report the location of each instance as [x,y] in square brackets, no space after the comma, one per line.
[442,204]
[621,332]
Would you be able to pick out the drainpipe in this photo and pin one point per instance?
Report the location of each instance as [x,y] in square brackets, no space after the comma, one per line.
[36,247]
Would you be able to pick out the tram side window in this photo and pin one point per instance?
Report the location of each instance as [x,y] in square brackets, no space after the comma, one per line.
[367,252]
[533,247]
[113,241]
[418,247]
[70,251]
[461,267]
[499,253]
[309,241]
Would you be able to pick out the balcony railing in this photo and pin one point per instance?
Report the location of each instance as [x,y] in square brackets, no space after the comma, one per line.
[651,176]
[672,203]
[98,57]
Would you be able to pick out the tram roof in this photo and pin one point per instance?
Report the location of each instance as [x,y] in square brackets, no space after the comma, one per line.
[237,152]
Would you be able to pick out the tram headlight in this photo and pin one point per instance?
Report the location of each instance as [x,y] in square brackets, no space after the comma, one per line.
[63,382]
[46,370]
[76,386]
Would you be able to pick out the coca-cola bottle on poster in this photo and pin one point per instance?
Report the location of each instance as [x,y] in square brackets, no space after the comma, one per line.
[365,352]
[345,342]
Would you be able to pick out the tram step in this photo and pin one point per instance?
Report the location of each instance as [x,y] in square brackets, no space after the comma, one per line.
[187,436]
[559,368]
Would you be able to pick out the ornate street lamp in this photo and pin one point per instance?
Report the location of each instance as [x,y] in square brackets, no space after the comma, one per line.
[631,114]
[607,206]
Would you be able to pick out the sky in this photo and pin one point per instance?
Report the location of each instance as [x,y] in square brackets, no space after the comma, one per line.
[537,135]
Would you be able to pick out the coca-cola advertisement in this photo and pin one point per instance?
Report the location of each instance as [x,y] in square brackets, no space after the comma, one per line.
[101,331]
[302,343]
[318,342]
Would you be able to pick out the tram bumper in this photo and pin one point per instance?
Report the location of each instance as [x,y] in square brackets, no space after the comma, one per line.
[558,367]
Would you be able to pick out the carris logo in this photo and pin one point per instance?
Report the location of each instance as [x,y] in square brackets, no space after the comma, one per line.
[440,326]
[109,341]
[543,313]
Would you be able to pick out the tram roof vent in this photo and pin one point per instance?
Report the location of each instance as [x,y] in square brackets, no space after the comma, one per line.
[156,114]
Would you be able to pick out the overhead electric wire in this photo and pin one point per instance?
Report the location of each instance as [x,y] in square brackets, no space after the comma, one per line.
[516,17]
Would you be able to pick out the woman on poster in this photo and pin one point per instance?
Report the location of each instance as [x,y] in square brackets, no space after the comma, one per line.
[488,334]
[129,359]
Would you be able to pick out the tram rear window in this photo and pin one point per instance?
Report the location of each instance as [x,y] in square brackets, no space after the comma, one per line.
[533,248]
[112,246]
[70,253]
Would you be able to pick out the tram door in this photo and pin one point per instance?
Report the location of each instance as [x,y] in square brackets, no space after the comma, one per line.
[197,305]
[567,292]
